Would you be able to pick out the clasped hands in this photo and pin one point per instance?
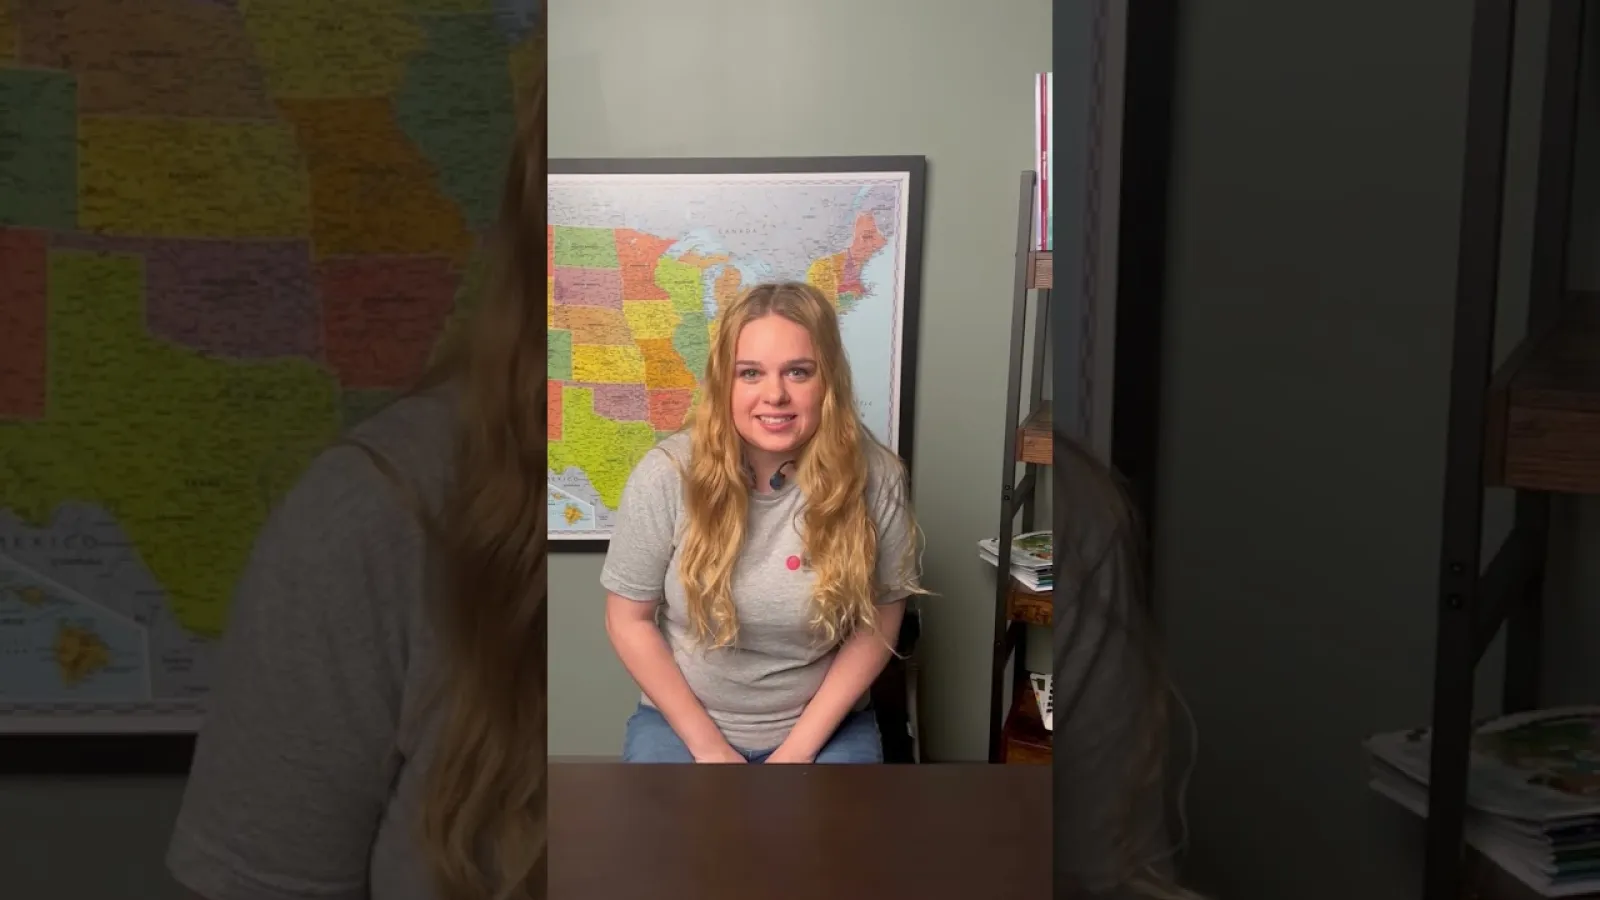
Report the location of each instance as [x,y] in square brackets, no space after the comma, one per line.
[783,755]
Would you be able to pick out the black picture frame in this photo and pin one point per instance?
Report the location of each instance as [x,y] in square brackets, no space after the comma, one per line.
[915,167]
[96,753]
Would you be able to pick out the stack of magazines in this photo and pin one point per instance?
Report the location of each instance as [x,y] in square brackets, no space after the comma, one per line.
[1032,558]
[1533,794]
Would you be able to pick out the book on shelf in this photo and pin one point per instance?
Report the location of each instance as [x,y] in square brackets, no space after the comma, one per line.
[1032,558]
[1533,793]
[1044,160]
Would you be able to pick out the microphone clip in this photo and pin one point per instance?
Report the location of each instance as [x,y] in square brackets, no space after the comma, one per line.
[777,481]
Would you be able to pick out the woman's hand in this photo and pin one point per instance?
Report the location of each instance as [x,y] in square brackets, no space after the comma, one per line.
[857,664]
[723,754]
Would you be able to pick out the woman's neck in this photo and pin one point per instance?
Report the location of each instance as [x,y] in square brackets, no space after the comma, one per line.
[763,465]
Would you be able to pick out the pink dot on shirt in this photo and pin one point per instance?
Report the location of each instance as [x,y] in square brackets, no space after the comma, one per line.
[793,563]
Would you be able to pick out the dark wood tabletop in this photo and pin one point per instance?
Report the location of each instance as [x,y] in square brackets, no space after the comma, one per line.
[709,832]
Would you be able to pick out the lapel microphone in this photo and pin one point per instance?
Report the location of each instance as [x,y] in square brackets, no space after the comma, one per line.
[777,479]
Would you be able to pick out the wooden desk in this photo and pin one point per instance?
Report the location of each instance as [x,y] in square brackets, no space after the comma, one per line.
[928,832]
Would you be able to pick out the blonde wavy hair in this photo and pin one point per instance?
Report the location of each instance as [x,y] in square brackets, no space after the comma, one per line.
[840,535]
[1101,553]
[483,827]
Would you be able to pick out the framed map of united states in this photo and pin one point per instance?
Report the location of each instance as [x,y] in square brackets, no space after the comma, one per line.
[645,254]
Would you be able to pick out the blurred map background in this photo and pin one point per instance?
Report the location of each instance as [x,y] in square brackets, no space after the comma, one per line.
[227,231]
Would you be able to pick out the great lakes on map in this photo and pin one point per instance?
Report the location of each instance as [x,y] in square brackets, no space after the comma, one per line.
[641,267]
[227,232]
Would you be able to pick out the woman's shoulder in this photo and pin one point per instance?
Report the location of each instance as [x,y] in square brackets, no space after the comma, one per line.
[367,485]
[416,435]
[665,463]
[886,471]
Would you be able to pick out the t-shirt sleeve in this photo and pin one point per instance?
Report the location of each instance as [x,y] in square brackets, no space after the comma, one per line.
[899,568]
[295,759]
[646,531]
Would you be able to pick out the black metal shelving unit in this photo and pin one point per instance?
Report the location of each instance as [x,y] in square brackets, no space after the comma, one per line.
[1488,434]
[1033,278]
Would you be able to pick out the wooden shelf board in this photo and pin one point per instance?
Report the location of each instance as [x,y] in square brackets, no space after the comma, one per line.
[1023,738]
[1544,407]
[1036,437]
[1041,270]
[1031,607]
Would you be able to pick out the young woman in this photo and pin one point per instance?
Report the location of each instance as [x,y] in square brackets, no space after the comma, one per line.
[379,726]
[760,567]
[1111,687]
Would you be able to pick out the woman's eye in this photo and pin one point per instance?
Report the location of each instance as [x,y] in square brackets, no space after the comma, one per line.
[748,373]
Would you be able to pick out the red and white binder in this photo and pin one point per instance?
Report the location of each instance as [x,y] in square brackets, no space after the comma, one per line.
[1043,110]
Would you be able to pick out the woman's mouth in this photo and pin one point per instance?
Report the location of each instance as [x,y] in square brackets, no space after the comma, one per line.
[775,423]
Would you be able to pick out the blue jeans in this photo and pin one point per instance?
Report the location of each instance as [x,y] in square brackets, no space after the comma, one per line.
[649,739]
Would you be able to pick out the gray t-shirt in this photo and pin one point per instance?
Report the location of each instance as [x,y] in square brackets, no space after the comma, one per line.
[756,689]
[308,772]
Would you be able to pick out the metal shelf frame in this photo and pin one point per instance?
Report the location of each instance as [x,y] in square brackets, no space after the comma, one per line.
[1476,601]
[1017,494]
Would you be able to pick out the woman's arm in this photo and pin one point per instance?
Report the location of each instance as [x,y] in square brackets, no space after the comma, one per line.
[298,754]
[858,664]
[634,577]
[631,625]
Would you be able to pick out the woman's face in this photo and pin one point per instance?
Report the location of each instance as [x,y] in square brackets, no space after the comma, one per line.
[777,394]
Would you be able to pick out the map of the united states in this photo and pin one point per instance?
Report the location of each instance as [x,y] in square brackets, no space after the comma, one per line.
[642,269]
[228,230]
